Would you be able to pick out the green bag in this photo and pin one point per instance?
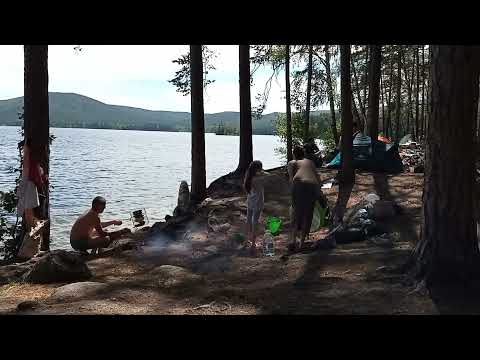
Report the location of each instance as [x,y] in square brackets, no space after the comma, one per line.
[320,217]
[273,225]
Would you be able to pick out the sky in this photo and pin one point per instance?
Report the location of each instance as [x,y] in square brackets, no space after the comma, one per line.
[137,76]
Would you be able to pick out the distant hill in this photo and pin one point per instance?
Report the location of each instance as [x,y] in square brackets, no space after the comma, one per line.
[78,111]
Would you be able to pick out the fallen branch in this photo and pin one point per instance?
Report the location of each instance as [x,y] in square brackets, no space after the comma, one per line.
[204,306]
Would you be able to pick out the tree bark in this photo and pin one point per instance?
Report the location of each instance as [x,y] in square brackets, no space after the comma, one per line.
[198,181]
[429,90]
[423,93]
[389,99]
[399,94]
[331,99]
[359,98]
[355,113]
[347,175]
[37,121]
[289,109]
[246,148]
[449,248]
[417,92]
[309,90]
[365,77]
[374,73]
[409,80]
[382,90]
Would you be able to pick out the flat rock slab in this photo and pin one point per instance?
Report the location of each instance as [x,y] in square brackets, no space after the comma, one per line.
[172,276]
[78,290]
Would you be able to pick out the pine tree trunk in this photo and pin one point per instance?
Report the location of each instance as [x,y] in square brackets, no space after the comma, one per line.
[347,175]
[382,90]
[289,109]
[198,181]
[363,122]
[417,93]
[409,89]
[309,95]
[36,120]
[423,93]
[331,99]
[374,73]
[399,95]
[389,99]
[429,90]
[365,83]
[449,248]
[356,114]
[246,148]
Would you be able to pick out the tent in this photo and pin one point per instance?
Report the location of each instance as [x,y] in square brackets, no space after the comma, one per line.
[374,156]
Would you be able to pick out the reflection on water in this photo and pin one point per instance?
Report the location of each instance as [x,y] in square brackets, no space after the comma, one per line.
[131,169]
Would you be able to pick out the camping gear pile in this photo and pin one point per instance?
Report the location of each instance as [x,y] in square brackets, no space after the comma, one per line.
[412,154]
[364,224]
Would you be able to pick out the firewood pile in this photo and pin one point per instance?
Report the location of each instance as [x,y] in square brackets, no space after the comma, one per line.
[412,155]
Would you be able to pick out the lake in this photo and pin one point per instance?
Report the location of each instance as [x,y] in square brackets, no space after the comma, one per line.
[131,169]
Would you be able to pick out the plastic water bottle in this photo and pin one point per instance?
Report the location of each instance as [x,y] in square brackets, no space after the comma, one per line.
[268,246]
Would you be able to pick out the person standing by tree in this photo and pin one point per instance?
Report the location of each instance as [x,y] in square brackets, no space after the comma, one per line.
[31,184]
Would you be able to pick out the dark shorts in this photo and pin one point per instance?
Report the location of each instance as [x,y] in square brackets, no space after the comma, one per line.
[80,244]
[304,195]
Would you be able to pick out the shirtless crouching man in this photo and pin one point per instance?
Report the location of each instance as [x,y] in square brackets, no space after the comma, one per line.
[87,232]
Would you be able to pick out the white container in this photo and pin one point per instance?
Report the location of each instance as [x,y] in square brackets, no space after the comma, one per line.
[268,245]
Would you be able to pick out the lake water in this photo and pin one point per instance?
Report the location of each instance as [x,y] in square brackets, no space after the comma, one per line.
[131,169]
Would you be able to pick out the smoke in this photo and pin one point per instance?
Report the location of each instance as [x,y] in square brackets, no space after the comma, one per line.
[177,244]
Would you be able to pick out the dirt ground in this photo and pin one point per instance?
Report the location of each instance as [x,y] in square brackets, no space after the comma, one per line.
[216,276]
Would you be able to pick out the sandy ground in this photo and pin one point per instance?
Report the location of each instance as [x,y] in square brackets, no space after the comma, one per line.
[218,277]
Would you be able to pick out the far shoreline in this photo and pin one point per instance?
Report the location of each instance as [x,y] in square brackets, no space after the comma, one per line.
[148,130]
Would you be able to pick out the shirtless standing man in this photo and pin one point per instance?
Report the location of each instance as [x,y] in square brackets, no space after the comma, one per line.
[87,232]
[306,189]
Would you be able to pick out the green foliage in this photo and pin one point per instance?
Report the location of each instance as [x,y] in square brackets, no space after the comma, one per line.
[319,129]
[181,79]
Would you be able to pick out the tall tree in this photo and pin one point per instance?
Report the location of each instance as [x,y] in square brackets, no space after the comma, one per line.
[389,99]
[198,181]
[374,73]
[359,98]
[288,103]
[36,119]
[417,92]
[246,148]
[309,93]
[347,175]
[398,106]
[365,76]
[382,91]
[409,80]
[449,247]
[423,93]
[355,113]
[331,97]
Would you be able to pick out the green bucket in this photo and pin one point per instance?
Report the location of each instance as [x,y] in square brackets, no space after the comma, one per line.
[273,225]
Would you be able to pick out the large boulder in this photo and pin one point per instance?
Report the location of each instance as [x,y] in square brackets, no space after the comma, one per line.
[58,266]
[78,290]
[173,276]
